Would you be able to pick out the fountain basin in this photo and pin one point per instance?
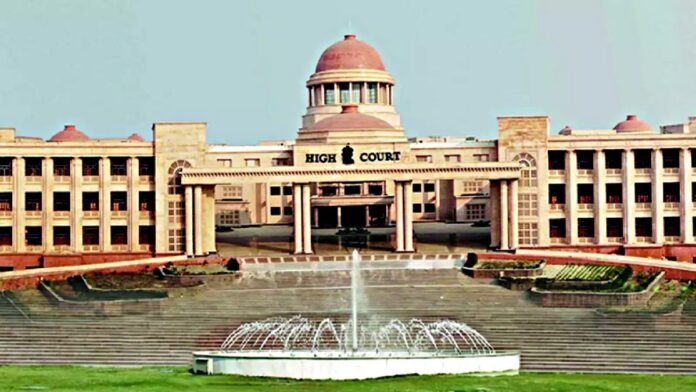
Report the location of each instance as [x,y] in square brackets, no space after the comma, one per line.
[351,366]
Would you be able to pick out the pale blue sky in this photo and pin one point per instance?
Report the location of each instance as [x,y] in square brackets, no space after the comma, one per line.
[115,67]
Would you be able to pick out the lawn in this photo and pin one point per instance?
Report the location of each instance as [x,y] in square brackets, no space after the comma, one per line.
[63,378]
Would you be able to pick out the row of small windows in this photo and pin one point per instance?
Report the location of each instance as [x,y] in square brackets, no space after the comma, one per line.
[118,166]
[33,235]
[671,193]
[613,159]
[614,227]
[342,93]
[33,201]
[255,162]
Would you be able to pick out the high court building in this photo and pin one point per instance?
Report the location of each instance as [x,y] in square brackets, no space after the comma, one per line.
[75,199]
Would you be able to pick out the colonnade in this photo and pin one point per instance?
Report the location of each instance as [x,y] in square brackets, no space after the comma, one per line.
[199,220]
[504,214]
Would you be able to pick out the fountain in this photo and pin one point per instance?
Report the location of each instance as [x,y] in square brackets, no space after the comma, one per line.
[300,348]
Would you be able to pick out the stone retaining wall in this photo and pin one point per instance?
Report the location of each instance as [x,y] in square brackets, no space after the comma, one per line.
[498,273]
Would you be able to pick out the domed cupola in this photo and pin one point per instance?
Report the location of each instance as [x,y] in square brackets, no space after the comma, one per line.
[632,125]
[69,134]
[350,72]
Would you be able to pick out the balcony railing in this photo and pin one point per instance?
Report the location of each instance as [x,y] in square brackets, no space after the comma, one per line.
[34,214]
[585,172]
[90,214]
[614,172]
[34,248]
[557,207]
[61,248]
[119,179]
[119,214]
[146,214]
[585,207]
[671,205]
[145,247]
[556,173]
[61,214]
[585,240]
[643,240]
[90,179]
[614,240]
[5,179]
[61,179]
[34,179]
[146,180]
[643,172]
[5,248]
[643,206]
[5,213]
[672,239]
[614,206]
[90,248]
[671,171]
[119,248]
[557,240]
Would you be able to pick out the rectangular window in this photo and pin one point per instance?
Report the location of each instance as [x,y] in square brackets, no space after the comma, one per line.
[225,162]
[471,187]
[34,235]
[275,211]
[119,201]
[356,93]
[61,201]
[585,160]
[146,166]
[6,236]
[275,191]
[345,92]
[614,193]
[557,228]
[61,167]
[119,166]
[280,162]
[352,189]
[175,212]
[328,190]
[612,159]
[61,235]
[372,93]
[556,194]
[176,240]
[429,187]
[375,190]
[475,212]
[557,160]
[644,227]
[33,167]
[615,227]
[229,218]
[481,157]
[528,233]
[90,167]
[429,208]
[90,201]
[672,226]
[6,167]
[232,192]
[417,208]
[90,235]
[642,159]
[252,162]
[287,211]
[287,190]
[6,201]
[416,188]
[453,158]
[119,235]
[32,201]
[329,94]
[146,235]
[586,227]
[527,204]
[424,158]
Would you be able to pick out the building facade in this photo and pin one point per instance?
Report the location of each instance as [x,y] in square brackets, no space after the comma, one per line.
[74,199]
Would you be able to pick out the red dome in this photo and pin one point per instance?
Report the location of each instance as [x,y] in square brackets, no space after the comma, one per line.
[351,119]
[136,138]
[632,124]
[349,54]
[69,134]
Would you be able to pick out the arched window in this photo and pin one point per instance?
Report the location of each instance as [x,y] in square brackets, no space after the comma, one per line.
[528,176]
[175,176]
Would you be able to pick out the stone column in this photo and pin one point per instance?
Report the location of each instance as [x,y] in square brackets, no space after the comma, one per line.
[657,202]
[76,204]
[47,204]
[399,211]
[338,216]
[494,190]
[571,207]
[315,213]
[133,204]
[297,216]
[686,205]
[408,215]
[306,219]
[600,191]
[198,220]
[367,216]
[188,219]
[629,197]
[18,200]
[105,204]
[504,227]
[514,217]
[209,245]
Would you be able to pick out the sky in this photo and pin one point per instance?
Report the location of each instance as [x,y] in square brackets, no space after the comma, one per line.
[113,67]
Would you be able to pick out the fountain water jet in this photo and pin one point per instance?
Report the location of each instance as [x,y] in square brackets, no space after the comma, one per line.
[298,347]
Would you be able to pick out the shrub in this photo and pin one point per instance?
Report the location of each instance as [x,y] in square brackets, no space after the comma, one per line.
[471,260]
[232,264]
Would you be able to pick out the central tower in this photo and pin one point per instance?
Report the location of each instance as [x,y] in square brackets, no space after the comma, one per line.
[350,72]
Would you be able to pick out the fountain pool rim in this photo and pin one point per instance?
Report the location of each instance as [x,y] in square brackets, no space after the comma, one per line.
[335,354]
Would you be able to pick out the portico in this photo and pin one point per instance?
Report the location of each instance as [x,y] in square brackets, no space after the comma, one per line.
[503,177]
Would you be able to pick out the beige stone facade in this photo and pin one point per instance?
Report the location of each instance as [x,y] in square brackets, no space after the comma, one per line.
[351,164]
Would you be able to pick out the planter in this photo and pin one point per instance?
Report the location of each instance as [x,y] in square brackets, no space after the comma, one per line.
[504,272]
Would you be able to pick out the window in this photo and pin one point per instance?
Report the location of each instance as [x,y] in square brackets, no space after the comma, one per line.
[275,191]
[225,162]
[146,235]
[33,167]
[232,192]
[90,235]
[61,235]
[670,158]
[176,240]
[429,187]
[174,186]
[481,157]
[280,162]
[355,87]
[61,167]
[644,227]
[528,233]
[146,166]
[287,211]
[557,160]
[585,160]
[642,159]
[429,208]
[61,201]
[352,189]
[417,208]
[557,228]
[612,159]
[252,162]
[375,190]
[672,226]
[670,192]
[90,201]
[329,190]
[119,201]
[372,93]
[287,190]
[475,212]
[119,235]
[6,236]
[557,194]
[329,94]
[6,201]
[90,167]
[416,187]
[453,158]
[32,201]
[119,166]
[424,158]
[275,211]
[615,227]
[6,167]
[585,193]
[528,176]
[527,205]
[345,92]
[229,218]
[643,192]
[614,193]
[470,187]
[175,212]
[33,235]
[586,227]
